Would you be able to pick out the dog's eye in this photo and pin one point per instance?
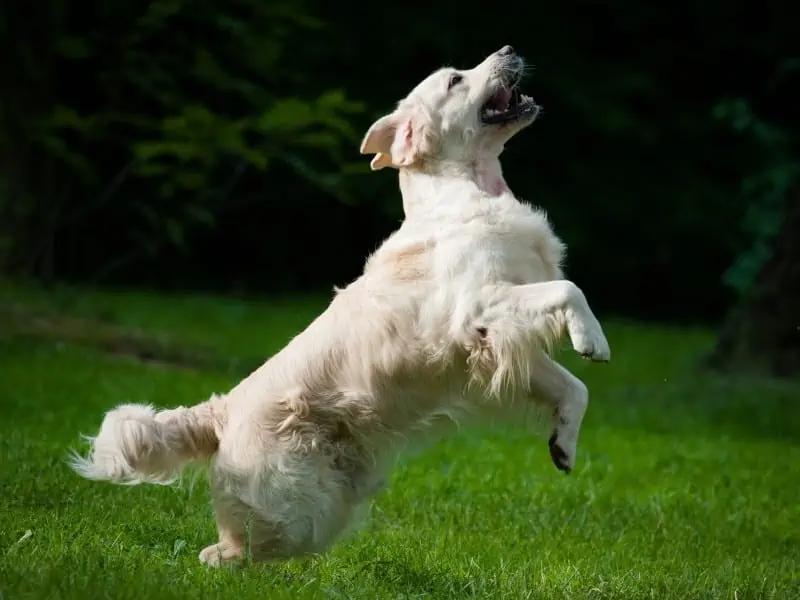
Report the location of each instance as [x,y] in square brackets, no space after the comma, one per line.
[455,80]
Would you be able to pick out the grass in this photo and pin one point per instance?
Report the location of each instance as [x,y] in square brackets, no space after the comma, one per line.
[687,486]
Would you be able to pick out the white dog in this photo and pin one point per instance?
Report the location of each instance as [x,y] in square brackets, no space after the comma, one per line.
[453,316]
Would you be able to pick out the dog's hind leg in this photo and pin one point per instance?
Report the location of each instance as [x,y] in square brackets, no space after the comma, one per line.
[270,521]
[232,516]
[242,530]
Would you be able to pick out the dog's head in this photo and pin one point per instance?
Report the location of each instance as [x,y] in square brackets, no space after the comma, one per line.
[454,116]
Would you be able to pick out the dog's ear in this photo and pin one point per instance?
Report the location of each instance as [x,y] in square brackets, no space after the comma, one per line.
[380,135]
[398,139]
[380,161]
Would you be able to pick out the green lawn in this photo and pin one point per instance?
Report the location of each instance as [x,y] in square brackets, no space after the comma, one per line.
[687,484]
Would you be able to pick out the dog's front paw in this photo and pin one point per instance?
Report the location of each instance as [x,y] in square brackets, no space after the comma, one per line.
[591,344]
[563,454]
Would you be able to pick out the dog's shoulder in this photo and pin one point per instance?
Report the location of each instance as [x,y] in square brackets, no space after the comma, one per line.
[405,256]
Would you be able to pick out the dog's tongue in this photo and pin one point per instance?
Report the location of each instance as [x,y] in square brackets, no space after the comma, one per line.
[501,99]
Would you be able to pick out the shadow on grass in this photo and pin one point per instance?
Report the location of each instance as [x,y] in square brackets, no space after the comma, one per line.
[113,340]
[404,580]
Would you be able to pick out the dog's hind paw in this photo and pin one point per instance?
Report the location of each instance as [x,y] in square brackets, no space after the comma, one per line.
[220,554]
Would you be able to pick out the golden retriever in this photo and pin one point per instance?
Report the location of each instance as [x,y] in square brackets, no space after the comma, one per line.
[452,317]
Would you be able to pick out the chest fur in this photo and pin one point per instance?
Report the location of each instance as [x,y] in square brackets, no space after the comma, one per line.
[513,243]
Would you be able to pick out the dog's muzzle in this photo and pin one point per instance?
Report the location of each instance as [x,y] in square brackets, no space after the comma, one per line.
[506,104]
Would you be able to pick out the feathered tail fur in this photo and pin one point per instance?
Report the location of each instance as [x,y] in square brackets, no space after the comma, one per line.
[137,444]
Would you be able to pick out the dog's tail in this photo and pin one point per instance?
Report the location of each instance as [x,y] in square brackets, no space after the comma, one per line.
[136,444]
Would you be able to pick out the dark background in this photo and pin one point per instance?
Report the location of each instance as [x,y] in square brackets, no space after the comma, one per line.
[185,144]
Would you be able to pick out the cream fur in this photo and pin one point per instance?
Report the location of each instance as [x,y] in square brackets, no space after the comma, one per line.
[452,317]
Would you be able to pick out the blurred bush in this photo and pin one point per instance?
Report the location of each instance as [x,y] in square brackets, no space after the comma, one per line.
[150,143]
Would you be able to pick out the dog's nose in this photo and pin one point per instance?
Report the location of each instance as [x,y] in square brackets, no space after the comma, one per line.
[506,50]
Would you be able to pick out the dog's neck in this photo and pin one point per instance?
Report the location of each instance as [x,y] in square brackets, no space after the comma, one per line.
[417,182]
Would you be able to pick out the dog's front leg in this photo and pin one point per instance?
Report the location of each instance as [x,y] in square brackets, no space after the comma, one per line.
[514,317]
[567,396]
[541,307]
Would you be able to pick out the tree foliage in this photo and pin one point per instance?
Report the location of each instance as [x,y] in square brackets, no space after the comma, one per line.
[170,100]
[762,330]
[132,132]
[765,188]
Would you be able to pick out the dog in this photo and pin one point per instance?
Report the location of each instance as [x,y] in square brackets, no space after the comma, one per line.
[454,317]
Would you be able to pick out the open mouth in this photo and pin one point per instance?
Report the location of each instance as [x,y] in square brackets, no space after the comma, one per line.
[507,104]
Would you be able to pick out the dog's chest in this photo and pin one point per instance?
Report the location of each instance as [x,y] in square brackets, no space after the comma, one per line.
[513,244]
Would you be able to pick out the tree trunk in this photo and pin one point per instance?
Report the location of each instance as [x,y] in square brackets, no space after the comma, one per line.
[762,332]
